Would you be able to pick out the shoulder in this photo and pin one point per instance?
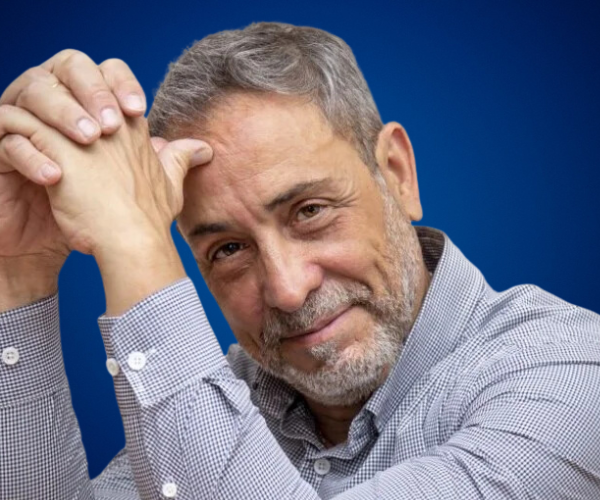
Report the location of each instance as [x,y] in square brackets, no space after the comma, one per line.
[527,316]
[529,339]
[527,344]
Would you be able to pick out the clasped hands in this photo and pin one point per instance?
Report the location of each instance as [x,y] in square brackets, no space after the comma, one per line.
[78,171]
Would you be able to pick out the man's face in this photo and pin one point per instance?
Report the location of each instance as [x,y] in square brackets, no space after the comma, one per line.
[311,260]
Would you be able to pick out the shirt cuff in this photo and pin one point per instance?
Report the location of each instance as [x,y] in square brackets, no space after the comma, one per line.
[31,363]
[159,346]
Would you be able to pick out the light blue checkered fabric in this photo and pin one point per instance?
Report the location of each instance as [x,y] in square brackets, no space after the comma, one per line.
[496,395]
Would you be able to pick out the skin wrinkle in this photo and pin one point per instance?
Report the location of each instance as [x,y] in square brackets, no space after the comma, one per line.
[360,250]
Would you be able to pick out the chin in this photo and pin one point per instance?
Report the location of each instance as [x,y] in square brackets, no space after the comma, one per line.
[342,376]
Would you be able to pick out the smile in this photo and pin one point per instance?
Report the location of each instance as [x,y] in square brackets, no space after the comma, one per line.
[324,330]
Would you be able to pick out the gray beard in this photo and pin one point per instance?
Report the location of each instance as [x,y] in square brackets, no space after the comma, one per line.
[349,376]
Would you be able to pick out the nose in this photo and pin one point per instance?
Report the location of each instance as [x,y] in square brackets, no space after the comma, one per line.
[289,274]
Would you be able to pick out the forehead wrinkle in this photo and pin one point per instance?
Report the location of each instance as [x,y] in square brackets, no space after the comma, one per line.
[259,125]
[243,162]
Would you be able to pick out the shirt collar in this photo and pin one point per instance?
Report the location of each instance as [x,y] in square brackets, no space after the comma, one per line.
[273,395]
[451,298]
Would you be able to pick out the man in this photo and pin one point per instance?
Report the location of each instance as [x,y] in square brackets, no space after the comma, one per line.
[374,361]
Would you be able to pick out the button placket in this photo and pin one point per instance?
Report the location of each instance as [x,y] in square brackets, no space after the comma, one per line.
[322,466]
[169,490]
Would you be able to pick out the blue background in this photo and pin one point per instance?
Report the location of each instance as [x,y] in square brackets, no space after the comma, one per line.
[501,103]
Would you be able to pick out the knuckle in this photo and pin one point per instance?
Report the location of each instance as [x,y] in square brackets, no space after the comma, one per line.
[63,54]
[113,64]
[69,54]
[6,109]
[101,95]
[36,74]
[29,93]
[35,81]
[73,61]
[7,114]
[14,145]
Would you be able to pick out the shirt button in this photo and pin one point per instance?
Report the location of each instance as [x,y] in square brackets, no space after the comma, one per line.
[322,466]
[169,490]
[10,356]
[112,366]
[137,361]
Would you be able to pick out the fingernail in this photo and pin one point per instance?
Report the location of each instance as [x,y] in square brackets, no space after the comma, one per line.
[87,127]
[135,102]
[110,118]
[49,171]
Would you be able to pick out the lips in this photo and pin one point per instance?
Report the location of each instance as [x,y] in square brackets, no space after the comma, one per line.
[321,331]
[319,325]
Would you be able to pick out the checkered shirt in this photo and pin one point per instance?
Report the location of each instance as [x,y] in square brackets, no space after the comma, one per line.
[495,395]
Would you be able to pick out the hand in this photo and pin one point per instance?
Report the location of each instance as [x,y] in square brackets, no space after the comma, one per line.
[108,186]
[72,94]
[32,248]
[117,198]
[77,97]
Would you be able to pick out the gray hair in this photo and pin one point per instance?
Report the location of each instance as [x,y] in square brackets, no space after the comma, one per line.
[269,57]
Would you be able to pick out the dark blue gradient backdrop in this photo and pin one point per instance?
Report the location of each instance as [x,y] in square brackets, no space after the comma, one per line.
[501,103]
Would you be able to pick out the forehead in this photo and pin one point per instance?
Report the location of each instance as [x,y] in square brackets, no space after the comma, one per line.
[262,143]
[249,130]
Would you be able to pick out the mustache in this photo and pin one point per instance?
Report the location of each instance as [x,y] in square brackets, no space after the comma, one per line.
[319,304]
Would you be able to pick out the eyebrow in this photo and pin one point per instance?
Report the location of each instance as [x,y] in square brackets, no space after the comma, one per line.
[200,230]
[297,190]
[204,229]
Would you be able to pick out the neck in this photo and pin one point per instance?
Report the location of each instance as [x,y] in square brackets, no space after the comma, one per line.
[333,422]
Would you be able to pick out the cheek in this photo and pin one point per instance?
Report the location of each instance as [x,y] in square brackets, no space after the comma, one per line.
[241,305]
[354,252]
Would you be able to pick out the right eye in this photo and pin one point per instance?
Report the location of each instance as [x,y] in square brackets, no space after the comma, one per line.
[226,250]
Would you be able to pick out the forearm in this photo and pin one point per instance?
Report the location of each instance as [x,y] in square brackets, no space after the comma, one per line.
[41,454]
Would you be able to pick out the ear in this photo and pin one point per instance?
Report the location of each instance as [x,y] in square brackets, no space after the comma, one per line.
[397,165]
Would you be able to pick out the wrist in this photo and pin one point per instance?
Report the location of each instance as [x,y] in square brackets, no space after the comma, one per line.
[135,268]
[24,280]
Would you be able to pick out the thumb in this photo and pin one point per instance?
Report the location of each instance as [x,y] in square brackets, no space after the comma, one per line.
[158,143]
[177,157]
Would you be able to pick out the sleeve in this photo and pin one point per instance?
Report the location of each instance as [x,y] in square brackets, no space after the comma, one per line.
[41,454]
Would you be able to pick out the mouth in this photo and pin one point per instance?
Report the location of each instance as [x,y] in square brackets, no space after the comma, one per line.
[321,331]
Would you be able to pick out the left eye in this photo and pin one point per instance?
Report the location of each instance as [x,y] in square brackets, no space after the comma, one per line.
[309,211]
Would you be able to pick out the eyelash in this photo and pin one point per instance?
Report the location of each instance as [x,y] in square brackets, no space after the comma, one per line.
[319,205]
[212,258]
